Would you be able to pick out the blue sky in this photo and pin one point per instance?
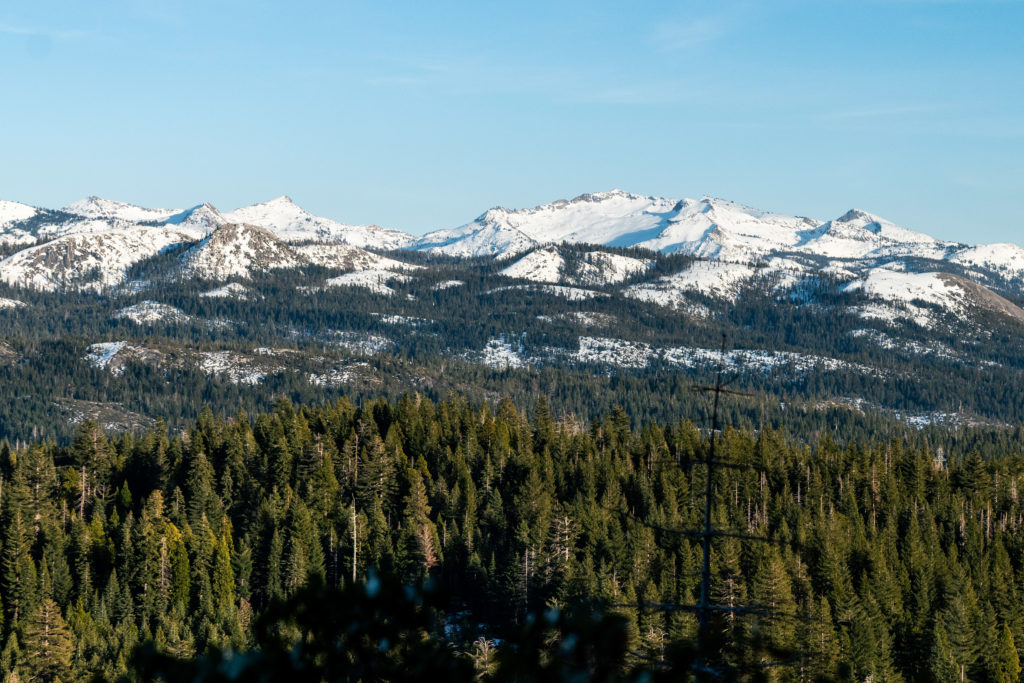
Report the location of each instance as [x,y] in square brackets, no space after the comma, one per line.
[423,115]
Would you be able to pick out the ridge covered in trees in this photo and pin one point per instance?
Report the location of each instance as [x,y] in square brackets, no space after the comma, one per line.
[287,333]
[888,561]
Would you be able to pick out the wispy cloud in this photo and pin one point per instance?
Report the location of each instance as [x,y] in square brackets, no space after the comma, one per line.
[27,31]
[30,32]
[882,111]
[690,33]
[39,42]
[476,76]
[653,93]
[697,26]
[412,73]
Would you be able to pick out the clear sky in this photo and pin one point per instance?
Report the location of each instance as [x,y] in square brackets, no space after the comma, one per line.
[420,115]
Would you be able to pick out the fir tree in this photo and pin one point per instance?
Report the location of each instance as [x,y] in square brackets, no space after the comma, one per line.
[48,645]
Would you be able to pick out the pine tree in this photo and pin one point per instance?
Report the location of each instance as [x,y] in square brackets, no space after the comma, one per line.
[421,549]
[17,566]
[91,454]
[200,490]
[942,662]
[960,618]
[1007,667]
[772,591]
[222,578]
[47,645]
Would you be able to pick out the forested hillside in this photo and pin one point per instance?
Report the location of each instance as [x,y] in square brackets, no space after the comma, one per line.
[164,348]
[888,560]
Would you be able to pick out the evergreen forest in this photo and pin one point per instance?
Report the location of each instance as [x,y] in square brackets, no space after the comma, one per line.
[389,539]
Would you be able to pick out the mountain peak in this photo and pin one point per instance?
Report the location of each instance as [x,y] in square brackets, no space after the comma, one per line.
[99,207]
[204,217]
[608,194]
[91,204]
[598,197]
[291,222]
[858,215]
[238,250]
[862,220]
[585,198]
[278,206]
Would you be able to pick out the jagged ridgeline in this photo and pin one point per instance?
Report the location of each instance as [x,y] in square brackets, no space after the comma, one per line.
[550,548]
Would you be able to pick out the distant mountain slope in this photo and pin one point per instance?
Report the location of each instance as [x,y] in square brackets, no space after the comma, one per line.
[949,293]
[858,234]
[280,216]
[13,216]
[95,261]
[240,250]
[292,223]
[1006,259]
[591,268]
[615,217]
[707,227]
[12,212]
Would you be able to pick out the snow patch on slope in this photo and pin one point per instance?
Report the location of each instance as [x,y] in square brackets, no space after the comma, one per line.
[374,280]
[103,353]
[623,353]
[570,293]
[447,284]
[908,288]
[341,375]
[10,304]
[149,312]
[594,268]
[1007,259]
[236,367]
[542,265]
[348,257]
[499,353]
[895,313]
[712,278]
[602,268]
[231,290]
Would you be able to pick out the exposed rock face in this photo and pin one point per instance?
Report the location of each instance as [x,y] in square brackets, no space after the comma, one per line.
[985,298]
[239,250]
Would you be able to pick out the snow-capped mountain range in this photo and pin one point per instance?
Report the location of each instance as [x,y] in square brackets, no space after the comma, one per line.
[94,242]
[708,227]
